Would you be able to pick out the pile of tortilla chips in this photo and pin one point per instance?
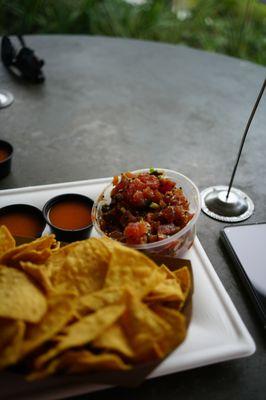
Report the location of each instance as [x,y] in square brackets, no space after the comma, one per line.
[93,305]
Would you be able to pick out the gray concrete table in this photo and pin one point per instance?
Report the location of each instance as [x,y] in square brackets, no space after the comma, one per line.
[110,105]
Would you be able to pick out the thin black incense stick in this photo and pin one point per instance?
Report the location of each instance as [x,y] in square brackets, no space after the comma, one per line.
[244,136]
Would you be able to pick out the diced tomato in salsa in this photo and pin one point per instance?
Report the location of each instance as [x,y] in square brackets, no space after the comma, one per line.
[136,232]
[145,207]
[166,185]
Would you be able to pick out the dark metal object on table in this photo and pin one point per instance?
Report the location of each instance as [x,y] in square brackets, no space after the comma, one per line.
[226,203]
[235,208]
[5,163]
[6,98]
[22,63]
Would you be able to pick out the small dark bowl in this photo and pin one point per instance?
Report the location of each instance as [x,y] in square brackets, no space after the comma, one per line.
[27,209]
[5,165]
[68,235]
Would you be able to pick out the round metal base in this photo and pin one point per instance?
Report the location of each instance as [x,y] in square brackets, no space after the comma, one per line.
[236,208]
[6,98]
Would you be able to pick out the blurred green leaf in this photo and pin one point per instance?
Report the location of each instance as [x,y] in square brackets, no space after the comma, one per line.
[233,27]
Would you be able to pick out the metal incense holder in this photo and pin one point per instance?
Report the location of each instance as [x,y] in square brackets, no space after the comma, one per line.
[226,203]
[237,207]
[6,98]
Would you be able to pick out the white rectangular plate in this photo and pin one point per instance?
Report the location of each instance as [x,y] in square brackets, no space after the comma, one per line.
[216,332]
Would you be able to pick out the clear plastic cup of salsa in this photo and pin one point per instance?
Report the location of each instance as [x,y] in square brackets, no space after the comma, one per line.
[173,245]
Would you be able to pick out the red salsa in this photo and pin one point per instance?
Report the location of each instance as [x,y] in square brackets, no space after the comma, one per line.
[70,214]
[145,207]
[4,154]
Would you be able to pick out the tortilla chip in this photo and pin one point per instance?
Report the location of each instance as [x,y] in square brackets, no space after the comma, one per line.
[145,330]
[12,333]
[184,278]
[114,339]
[37,251]
[84,268]
[7,242]
[8,329]
[39,273]
[130,268]
[60,311]
[81,361]
[48,370]
[178,323]
[19,298]
[99,299]
[167,272]
[58,257]
[83,331]
[42,273]
[167,290]
[34,256]
[105,307]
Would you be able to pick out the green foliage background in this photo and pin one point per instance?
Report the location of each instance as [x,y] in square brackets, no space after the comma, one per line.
[234,27]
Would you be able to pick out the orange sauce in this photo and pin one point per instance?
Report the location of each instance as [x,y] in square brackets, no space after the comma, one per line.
[4,153]
[70,214]
[22,224]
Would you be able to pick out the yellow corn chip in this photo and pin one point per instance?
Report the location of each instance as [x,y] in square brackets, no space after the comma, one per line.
[114,339]
[99,299]
[60,310]
[145,329]
[184,278]
[81,361]
[167,290]
[178,323]
[39,273]
[37,251]
[12,333]
[83,331]
[130,268]
[19,298]
[167,272]
[8,329]
[7,242]
[84,268]
[93,305]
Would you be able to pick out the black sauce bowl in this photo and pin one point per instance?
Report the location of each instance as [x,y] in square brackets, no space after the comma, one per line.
[5,165]
[68,235]
[25,209]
